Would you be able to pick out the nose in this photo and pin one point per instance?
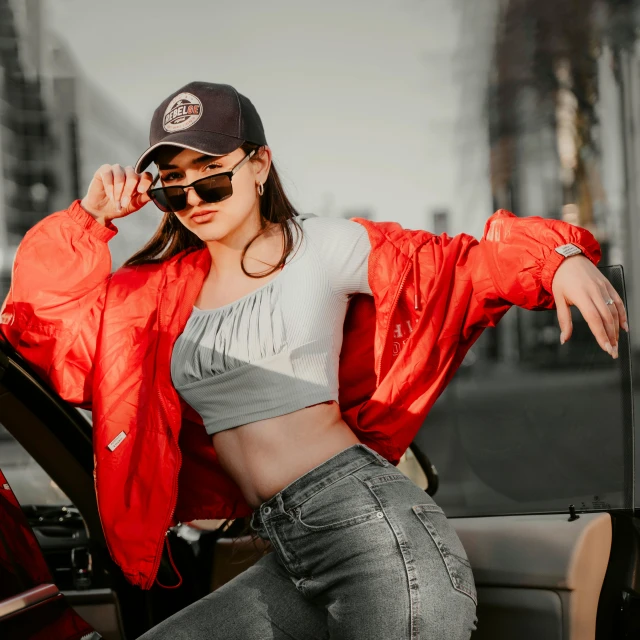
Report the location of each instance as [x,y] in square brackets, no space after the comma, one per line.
[193,199]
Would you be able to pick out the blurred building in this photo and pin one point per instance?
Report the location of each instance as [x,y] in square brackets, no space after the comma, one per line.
[470,61]
[56,129]
[564,105]
[91,131]
[26,141]
[619,144]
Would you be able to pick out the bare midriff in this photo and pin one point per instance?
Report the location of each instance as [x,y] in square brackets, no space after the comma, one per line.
[263,457]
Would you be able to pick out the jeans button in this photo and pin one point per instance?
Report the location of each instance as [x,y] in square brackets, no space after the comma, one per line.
[267,511]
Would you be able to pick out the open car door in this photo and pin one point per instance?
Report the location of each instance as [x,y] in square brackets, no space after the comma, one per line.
[536,458]
[31,605]
[47,455]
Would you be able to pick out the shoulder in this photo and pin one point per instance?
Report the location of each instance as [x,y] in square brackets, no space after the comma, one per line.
[312,222]
[321,230]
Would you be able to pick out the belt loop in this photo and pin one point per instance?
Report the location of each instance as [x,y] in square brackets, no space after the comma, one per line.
[381,459]
[280,502]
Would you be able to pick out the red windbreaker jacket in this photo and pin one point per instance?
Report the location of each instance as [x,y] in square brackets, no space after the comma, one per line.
[103,341]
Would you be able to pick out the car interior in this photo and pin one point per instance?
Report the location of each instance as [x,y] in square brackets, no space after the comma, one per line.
[532,460]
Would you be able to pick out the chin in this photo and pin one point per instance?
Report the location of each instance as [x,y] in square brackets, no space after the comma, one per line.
[210,232]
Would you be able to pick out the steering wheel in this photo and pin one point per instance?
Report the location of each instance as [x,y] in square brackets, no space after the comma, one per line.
[428,467]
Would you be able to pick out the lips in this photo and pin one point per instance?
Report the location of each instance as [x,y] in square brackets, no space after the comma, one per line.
[203,216]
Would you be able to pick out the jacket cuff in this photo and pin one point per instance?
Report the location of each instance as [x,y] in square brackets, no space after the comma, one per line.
[555,259]
[90,224]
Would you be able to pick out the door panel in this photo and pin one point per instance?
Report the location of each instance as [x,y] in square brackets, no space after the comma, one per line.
[525,614]
[47,620]
[101,609]
[537,571]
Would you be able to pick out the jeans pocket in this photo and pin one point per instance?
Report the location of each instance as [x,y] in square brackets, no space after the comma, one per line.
[344,503]
[446,540]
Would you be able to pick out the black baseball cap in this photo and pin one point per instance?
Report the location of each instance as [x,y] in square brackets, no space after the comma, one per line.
[212,118]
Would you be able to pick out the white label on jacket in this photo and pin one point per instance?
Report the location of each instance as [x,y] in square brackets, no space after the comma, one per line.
[116,441]
[568,250]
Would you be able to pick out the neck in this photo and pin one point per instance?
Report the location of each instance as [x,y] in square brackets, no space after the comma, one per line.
[264,252]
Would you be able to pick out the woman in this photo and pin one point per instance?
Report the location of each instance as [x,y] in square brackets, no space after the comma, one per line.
[214,381]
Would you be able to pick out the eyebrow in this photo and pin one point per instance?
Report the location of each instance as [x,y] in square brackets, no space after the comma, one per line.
[196,161]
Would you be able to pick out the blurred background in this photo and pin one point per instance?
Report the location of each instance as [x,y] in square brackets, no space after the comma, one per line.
[432,113]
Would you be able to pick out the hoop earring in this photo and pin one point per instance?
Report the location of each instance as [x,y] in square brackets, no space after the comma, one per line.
[260,188]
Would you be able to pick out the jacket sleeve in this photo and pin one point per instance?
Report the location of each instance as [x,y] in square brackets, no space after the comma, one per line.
[53,310]
[514,264]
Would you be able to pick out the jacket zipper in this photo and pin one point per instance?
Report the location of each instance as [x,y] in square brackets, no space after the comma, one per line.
[174,493]
[104,533]
[411,263]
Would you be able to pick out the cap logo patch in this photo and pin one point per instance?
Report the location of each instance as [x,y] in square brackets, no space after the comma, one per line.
[183,112]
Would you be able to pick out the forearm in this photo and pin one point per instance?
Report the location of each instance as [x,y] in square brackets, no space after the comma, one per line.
[517,258]
[52,312]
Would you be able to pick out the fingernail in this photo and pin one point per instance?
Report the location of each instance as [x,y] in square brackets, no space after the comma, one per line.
[625,326]
[615,351]
[562,338]
[609,348]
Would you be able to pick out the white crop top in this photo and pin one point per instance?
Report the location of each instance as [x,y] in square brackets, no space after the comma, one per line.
[276,349]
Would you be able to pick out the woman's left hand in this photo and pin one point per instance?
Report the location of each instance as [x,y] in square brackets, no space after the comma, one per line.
[578,282]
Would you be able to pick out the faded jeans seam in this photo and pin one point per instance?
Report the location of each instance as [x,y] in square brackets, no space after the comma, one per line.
[409,565]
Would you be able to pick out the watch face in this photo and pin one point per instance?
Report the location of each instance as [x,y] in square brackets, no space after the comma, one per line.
[567,250]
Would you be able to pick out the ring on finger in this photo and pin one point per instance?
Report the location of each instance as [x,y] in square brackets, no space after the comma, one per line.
[609,301]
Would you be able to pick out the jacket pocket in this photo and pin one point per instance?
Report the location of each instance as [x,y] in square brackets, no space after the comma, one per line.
[446,540]
[344,503]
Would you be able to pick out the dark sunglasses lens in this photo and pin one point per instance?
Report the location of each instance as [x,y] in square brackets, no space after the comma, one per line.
[169,198]
[213,188]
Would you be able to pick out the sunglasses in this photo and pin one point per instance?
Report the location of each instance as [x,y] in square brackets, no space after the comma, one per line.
[213,188]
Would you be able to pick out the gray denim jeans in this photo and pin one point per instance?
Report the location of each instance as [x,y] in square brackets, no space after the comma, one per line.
[360,553]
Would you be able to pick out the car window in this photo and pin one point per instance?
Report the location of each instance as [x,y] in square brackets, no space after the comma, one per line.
[30,483]
[530,426]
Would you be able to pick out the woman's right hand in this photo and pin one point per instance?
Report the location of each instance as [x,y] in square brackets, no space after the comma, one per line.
[115,192]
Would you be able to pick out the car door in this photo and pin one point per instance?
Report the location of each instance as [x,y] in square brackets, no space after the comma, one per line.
[46,452]
[535,455]
[31,605]
[46,455]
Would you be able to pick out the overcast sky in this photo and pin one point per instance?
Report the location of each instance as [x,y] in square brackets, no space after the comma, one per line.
[359,98]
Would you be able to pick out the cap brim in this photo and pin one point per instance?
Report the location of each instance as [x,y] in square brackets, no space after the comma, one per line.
[213,144]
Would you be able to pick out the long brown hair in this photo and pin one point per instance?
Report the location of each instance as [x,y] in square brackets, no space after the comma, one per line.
[172,237]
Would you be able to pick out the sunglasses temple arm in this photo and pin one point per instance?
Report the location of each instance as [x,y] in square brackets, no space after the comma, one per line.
[241,163]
